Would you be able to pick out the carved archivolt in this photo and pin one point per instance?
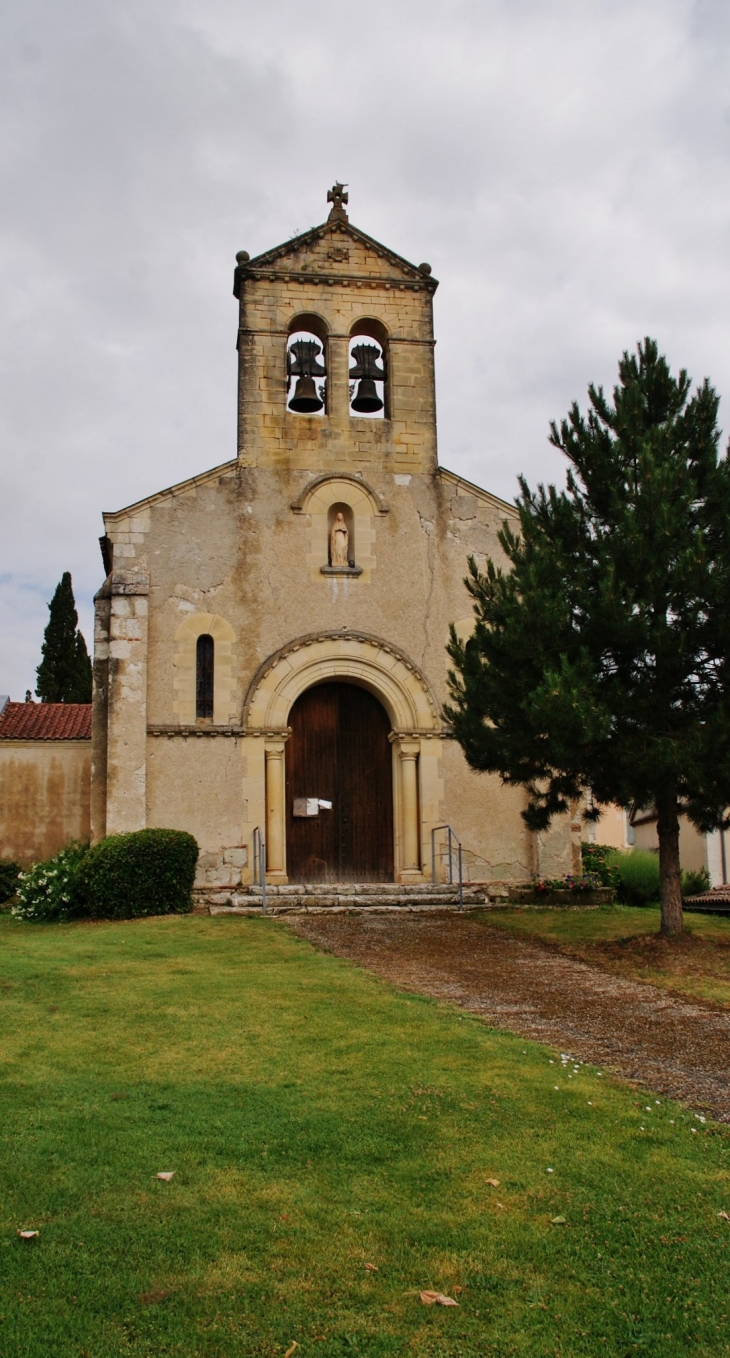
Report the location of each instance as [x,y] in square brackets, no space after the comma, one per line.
[367,660]
[321,487]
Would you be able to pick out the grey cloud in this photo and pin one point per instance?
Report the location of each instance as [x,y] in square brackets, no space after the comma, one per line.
[563,167]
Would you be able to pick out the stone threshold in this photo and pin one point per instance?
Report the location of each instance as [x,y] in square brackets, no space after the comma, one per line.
[274,909]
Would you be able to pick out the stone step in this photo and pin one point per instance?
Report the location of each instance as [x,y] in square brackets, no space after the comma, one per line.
[302,901]
[351,908]
[352,889]
[393,897]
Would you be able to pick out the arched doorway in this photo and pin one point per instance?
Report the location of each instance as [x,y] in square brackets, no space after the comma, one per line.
[339,752]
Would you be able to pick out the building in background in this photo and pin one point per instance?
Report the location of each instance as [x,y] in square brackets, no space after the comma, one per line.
[628,828]
[45,774]
[696,850]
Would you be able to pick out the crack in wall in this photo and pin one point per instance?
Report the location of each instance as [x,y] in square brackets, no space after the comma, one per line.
[429,563]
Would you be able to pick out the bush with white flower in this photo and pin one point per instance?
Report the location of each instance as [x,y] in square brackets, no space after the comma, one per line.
[50,890]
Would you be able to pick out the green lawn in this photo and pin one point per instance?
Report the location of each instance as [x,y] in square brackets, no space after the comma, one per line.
[318,1121]
[625,940]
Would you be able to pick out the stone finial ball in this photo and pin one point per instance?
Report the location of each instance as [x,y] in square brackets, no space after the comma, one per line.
[242,257]
[424,268]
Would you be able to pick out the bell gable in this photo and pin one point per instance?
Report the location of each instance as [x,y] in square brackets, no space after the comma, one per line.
[336,250]
[335,344]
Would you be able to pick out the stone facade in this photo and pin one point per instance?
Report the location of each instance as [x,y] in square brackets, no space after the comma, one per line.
[240,554]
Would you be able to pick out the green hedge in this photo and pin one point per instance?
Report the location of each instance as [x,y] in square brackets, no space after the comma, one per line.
[147,872]
[9,877]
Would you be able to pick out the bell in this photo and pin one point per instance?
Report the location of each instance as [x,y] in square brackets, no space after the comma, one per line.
[366,398]
[368,372]
[305,400]
[302,362]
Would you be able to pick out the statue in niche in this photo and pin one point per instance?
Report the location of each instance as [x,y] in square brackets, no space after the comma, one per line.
[339,542]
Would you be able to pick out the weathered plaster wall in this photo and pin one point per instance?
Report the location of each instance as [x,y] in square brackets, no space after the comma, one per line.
[44,796]
[209,773]
[486,816]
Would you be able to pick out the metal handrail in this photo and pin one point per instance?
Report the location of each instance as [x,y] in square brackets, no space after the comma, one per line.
[452,837]
[259,865]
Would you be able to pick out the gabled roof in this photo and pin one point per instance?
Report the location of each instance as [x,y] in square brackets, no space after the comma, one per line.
[229,468]
[45,721]
[179,488]
[469,488]
[338,230]
[315,233]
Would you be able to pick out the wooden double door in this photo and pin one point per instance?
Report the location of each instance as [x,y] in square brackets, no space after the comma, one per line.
[339,752]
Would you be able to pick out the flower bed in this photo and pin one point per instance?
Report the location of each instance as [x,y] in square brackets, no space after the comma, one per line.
[584,890]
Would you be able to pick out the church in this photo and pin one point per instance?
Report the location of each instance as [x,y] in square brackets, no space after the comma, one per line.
[269,657]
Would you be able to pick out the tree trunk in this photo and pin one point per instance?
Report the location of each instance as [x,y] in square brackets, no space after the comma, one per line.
[670,882]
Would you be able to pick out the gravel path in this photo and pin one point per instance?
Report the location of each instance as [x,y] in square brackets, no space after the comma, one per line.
[675,1046]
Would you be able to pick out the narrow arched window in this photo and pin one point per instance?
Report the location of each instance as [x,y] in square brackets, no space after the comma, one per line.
[204,676]
[369,370]
[306,366]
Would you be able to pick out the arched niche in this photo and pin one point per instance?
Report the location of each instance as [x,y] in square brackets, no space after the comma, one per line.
[343,508]
[368,369]
[320,501]
[306,365]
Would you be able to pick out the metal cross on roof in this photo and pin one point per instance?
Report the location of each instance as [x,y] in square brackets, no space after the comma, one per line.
[337,197]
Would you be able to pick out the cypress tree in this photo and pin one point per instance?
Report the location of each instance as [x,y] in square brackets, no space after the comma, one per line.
[601,661]
[64,674]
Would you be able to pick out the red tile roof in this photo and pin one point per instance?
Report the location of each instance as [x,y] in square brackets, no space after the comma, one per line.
[45,721]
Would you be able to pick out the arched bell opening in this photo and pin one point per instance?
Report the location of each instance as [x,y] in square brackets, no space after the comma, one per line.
[368,370]
[339,786]
[306,366]
[340,536]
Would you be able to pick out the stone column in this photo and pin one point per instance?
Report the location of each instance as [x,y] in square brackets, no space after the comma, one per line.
[275,809]
[100,711]
[338,390]
[126,806]
[576,838]
[408,752]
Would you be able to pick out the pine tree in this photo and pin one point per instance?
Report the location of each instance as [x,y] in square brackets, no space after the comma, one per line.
[64,674]
[601,661]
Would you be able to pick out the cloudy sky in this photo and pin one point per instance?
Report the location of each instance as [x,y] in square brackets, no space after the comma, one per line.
[563,165]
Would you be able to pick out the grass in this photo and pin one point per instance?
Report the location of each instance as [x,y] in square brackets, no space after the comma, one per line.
[626,940]
[317,1121]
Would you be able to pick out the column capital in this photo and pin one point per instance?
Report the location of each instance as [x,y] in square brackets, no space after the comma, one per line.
[274,745]
[409,746]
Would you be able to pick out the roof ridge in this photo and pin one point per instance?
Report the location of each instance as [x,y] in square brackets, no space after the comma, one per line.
[336,227]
